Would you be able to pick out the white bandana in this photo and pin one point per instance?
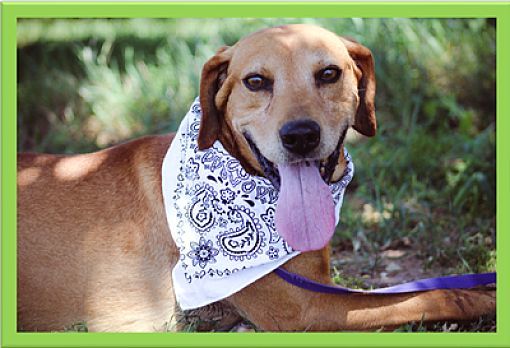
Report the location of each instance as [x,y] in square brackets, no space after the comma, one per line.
[221,218]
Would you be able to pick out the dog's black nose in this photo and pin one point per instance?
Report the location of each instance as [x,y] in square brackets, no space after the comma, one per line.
[300,137]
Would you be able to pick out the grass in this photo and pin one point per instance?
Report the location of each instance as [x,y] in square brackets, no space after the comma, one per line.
[483,324]
[425,183]
[77,327]
[444,199]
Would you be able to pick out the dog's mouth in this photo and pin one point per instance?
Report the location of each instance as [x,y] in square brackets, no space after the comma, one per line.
[268,168]
[305,211]
[326,166]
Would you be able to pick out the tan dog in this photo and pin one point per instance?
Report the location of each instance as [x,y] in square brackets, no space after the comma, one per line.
[93,241]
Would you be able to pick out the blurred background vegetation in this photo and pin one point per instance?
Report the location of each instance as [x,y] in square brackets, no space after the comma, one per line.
[425,183]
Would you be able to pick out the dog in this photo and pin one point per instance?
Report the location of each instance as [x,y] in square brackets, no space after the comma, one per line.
[94,245]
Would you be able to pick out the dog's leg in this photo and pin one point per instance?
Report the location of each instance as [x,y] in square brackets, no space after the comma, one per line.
[274,305]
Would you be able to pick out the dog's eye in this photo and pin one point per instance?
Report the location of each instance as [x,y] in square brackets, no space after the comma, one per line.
[329,74]
[256,82]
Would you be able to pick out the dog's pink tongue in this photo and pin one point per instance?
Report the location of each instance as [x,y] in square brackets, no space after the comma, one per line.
[305,212]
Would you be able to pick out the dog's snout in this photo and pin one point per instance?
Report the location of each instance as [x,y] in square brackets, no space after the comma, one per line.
[300,137]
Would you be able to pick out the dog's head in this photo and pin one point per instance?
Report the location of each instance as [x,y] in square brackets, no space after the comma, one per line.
[287,95]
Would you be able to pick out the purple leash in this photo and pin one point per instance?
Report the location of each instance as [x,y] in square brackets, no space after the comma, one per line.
[449,282]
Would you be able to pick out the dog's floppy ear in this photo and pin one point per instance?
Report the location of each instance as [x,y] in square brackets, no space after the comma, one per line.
[365,121]
[213,75]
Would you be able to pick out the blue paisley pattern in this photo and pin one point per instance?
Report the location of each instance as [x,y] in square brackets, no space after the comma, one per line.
[223,218]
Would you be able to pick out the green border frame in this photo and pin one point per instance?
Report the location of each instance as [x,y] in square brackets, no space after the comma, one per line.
[12,11]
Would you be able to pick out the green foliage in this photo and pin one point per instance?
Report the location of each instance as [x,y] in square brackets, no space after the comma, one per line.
[483,324]
[429,174]
[77,327]
[347,281]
